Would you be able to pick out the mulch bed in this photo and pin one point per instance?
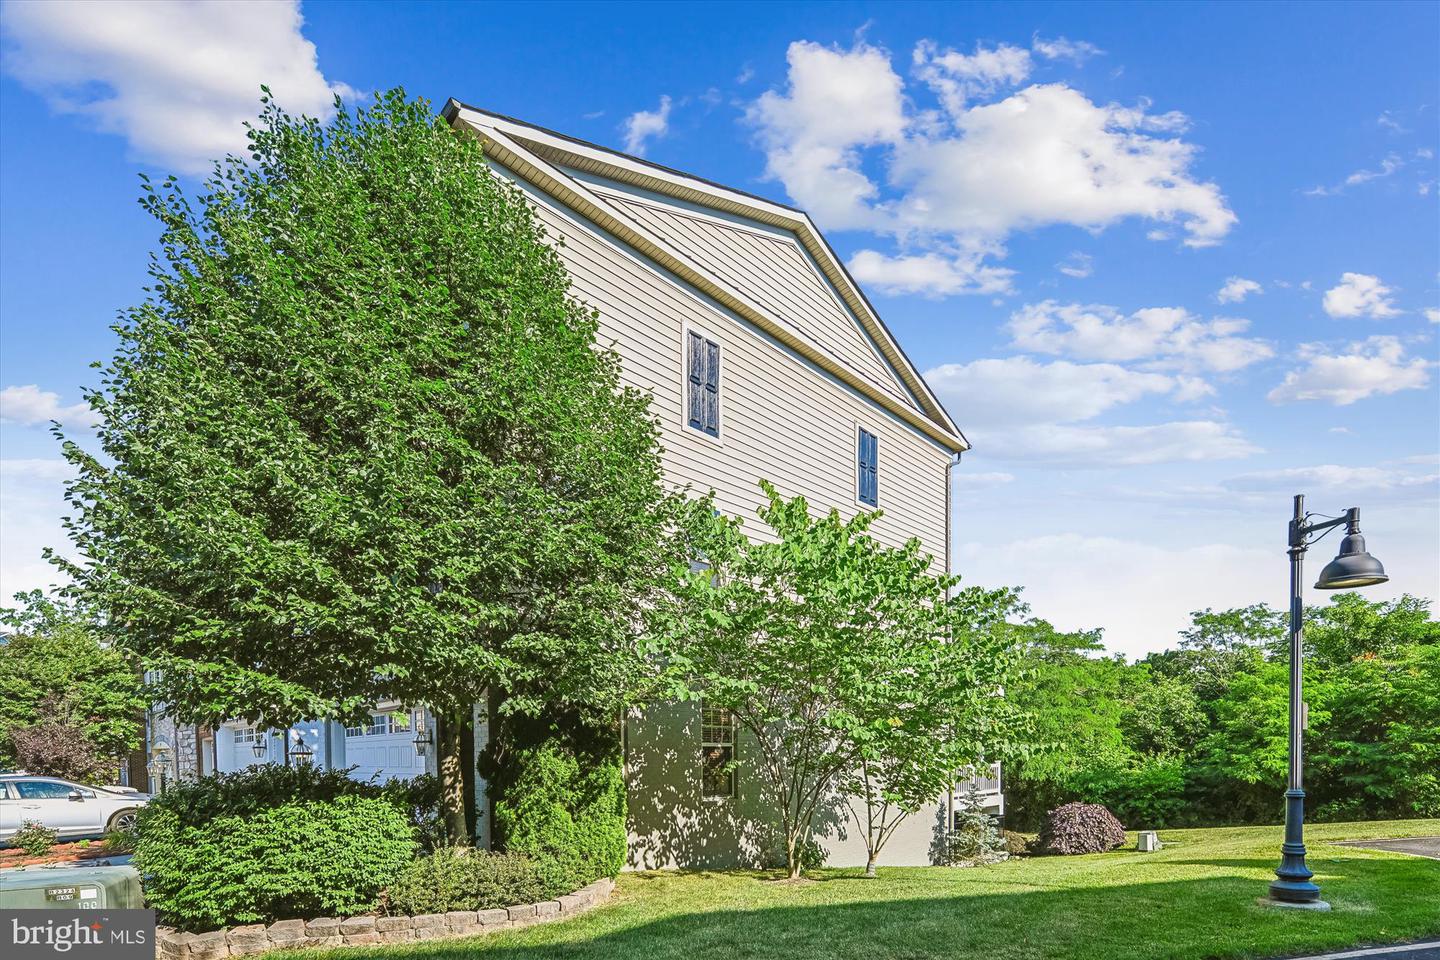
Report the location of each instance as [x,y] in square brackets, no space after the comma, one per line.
[60,853]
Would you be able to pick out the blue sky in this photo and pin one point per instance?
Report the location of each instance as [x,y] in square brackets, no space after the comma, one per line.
[1167,264]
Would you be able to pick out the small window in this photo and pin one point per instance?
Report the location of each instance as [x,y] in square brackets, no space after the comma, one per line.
[717,752]
[702,389]
[43,790]
[247,734]
[867,484]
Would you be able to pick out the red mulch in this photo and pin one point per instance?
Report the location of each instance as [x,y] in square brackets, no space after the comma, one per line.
[60,853]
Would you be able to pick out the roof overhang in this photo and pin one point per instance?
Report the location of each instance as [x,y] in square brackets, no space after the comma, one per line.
[537,154]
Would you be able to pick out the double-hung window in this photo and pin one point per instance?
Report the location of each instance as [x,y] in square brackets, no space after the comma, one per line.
[717,752]
[867,472]
[702,388]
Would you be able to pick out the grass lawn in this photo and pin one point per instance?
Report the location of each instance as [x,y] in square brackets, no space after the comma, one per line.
[1193,899]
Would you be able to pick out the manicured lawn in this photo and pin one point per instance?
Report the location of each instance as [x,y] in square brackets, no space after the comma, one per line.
[1194,899]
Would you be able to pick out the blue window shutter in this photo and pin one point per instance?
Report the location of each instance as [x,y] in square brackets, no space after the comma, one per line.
[712,388]
[695,389]
[867,468]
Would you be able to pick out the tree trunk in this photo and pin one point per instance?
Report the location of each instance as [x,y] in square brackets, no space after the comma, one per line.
[450,752]
[792,856]
[870,864]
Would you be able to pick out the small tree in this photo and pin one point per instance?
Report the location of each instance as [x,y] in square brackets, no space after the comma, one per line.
[836,653]
[62,694]
[950,654]
[359,443]
[975,837]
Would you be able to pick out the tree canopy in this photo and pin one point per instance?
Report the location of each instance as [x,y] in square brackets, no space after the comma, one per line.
[60,687]
[359,442]
[853,666]
[1199,734]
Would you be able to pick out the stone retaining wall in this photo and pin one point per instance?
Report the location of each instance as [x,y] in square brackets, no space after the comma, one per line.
[353,931]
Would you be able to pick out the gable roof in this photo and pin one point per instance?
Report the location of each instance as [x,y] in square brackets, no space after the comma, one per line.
[703,232]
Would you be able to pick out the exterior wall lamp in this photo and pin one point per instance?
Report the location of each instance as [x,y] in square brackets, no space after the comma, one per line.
[423,740]
[159,764]
[1352,567]
[302,751]
[260,746]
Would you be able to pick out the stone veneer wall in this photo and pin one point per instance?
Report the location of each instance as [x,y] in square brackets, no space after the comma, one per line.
[352,931]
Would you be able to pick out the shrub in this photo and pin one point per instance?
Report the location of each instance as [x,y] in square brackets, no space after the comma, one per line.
[310,859]
[460,878]
[1017,844]
[54,748]
[1079,828]
[975,838]
[560,800]
[120,841]
[34,838]
[265,786]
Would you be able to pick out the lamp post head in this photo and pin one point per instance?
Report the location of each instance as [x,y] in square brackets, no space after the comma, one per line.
[1353,566]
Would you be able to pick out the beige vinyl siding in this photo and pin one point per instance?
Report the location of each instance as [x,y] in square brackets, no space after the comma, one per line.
[781,419]
[774,272]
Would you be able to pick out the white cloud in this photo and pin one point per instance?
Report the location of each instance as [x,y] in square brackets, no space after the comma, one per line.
[1047,155]
[1169,336]
[1389,482]
[32,500]
[1236,289]
[1076,51]
[1388,121]
[929,274]
[1078,265]
[1360,295]
[29,406]
[177,80]
[957,78]
[1150,587]
[1432,314]
[1019,409]
[646,125]
[1146,593]
[987,395]
[1371,367]
[838,101]
[1107,446]
[1388,165]
[951,185]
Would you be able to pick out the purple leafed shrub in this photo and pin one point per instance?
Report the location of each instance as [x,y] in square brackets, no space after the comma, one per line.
[1079,828]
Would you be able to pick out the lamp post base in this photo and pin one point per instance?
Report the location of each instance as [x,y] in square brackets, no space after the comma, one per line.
[1292,885]
[1319,905]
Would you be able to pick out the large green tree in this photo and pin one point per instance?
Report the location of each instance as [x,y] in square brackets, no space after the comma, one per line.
[359,442]
[851,665]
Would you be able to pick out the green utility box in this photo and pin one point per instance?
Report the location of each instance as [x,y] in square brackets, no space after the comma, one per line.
[86,887]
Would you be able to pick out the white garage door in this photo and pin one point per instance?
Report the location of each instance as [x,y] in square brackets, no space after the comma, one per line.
[237,751]
[384,749]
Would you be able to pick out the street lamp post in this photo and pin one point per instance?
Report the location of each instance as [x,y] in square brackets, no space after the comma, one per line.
[1352,567]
